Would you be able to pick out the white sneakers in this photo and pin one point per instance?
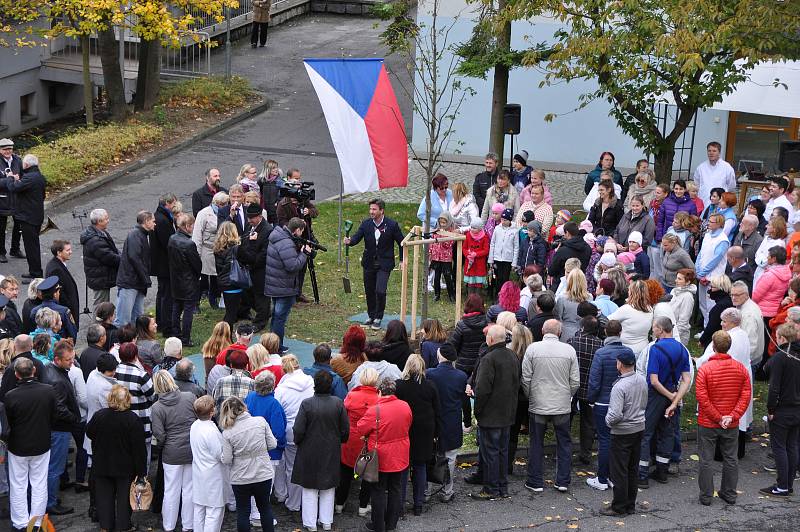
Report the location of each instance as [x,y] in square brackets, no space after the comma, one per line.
[364,511]
[595,483]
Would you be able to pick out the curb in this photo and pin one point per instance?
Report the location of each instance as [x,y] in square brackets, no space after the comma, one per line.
[99,181]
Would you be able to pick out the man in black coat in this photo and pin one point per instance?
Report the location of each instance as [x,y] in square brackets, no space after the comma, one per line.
[572,246]
[10,165]
[738,269]
[100,257]
[9,287]
[31,411]
[96,340]
[23,344]
[50,291]
[133,276]
[68,294]
[184,268]
[159,262]
[379,234]
[485,179]
[28,189]
[254,248]
[201,198]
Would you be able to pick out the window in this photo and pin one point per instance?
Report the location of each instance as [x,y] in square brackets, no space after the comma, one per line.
[58,94]
[27,107]
[3,118]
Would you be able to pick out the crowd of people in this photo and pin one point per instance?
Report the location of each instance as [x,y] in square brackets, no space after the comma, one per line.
[566,321]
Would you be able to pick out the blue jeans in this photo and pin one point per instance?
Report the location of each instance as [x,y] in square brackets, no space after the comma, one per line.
[130,305]
[494,458]
[603,442]
[283,305]
[538,426]
[59,444]
[260,492]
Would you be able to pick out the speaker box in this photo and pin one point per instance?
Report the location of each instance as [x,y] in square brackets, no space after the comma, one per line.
[789,157]
[511,118]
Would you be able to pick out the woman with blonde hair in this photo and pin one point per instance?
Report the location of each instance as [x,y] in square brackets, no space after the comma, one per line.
[270,180]
[220,339]
[258,357]
[204,235]
[171,420]
[719,291]
[227,248]
[636,317]
[295,386]
[423,398]
[6,354]
[272,343]
[463,207]
[566,310]
[521,338]
[247,178]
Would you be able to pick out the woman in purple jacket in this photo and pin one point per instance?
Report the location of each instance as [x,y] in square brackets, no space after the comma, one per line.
[678,200]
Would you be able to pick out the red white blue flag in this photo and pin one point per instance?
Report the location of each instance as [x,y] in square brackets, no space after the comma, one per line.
[364,121]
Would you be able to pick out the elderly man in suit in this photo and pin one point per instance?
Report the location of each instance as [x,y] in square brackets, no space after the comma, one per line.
[62,252]
[10,165]
[379,233]
[28,188]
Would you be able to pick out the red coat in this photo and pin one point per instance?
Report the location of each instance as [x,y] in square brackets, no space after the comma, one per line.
[224,353]
[723,389]
[357,401]
[393,427]
[481,248]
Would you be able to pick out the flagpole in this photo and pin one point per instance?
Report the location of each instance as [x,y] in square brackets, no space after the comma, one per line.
[341,193]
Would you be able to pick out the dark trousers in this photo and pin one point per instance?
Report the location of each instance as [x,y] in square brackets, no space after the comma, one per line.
[208,286]
[446,269]
[419,481]
[386,507]
[81,458]
[603,441]
[375,283]
[260,492]
[658,428]
[16,234]
[113,503]
[232,301]
[585,428]
[164,304]
[182,316]
[625,452]
[259,33]
[33,253]
[466,410]
[261,304]
[784,429]
[502,273]
[538,426]
[494,459]
[513,434]
[728,441]
[343,489]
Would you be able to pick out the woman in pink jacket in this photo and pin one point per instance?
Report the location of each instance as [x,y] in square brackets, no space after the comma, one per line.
[770,288]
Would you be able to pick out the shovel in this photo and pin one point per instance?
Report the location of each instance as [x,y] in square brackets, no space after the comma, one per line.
[348,225]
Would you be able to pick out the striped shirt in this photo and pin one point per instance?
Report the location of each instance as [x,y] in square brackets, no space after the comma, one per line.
[138,382]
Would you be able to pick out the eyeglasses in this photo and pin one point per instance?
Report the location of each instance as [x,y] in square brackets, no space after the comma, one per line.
[641,181]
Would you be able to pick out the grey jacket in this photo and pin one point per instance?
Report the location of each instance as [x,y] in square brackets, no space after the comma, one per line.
[673,261]
[245,448]
[171,420]
[550,376]
[627,404]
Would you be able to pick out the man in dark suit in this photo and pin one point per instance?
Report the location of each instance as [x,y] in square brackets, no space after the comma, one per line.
[159,262]
[738,269]
[10,165]
[379,234]
[28,189]
[254,247]
[57,267]
[201,198]
[485,179]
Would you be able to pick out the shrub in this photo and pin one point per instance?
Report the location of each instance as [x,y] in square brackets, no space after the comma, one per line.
[208,94]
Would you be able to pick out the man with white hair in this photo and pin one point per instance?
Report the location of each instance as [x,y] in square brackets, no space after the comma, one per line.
[28,189]
[185,379]
[748,237]
[793,317]
[752,321]
[173,353]
[550,377]
[100,257]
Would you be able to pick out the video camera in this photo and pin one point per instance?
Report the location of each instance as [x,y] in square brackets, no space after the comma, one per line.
[302,191]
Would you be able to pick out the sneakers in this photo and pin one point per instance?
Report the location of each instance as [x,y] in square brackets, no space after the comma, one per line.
[326,526]
[533,488]
[364,511]
[775,491]
[483,496]
[644,483]
[338,508]
[595,483]
[368,322]
[770,468]
[376,325]
[562,489]
[674,468]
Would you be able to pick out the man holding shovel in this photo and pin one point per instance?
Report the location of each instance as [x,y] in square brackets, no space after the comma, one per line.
[379,233]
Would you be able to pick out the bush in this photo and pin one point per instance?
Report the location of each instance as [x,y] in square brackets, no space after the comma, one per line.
[208,94]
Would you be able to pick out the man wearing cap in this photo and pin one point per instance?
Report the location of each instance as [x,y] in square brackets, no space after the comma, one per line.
[450,384]
[184,269]
[542,211]
[51,291]
[379,233]
[28,189]
[254,255]
[625,419]
[10,165]
[160,264]
[68,293]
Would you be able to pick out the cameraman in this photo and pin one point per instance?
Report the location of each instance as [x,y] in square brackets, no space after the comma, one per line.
[290,207]
[285,260]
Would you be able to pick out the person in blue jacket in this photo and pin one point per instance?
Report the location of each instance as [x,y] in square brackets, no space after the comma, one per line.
[533,249]
[262,402]
[606,163]
[441,199]
[322,362]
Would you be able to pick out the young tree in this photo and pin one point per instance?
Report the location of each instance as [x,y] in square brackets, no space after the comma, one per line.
[689,53]
[437,93]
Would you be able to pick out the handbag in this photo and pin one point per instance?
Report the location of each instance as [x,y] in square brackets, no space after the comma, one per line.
[141,495]
[239,276]
[366,465]
[437,470]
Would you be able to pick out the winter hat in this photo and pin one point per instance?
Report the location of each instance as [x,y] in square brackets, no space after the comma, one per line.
[626,357]
[608,259]
[564,214]
[508,214]
[535,226]
[590,239]
[635,236]
[610,247]
[477,223]
[528,216]
[522,157]
[498,208]
[627,258]
[448,351]
[586,225]
[560,230]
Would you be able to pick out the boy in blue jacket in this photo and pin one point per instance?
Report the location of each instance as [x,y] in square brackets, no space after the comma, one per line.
[532,250]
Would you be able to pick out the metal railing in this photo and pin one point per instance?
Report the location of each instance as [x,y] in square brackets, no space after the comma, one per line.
[191,59]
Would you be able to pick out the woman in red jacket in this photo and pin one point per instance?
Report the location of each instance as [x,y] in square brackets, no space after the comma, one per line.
[357,402]
[387,425]
[476,249]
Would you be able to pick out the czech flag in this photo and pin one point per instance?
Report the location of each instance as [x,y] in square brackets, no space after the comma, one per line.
[364,121]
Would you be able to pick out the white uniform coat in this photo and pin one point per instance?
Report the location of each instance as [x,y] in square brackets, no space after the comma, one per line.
[207,469]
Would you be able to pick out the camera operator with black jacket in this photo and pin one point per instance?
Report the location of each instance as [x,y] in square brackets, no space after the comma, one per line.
[291,207]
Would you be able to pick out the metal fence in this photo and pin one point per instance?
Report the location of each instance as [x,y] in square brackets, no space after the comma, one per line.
[239,16]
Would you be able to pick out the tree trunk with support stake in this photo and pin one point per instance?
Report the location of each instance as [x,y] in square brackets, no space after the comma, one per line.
[148,81]
[664,160]
[88,90]
[497,134]
[112,74]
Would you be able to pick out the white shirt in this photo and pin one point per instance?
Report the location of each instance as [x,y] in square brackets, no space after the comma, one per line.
[780,201]
[708,176]
[740,352]
[207,469]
